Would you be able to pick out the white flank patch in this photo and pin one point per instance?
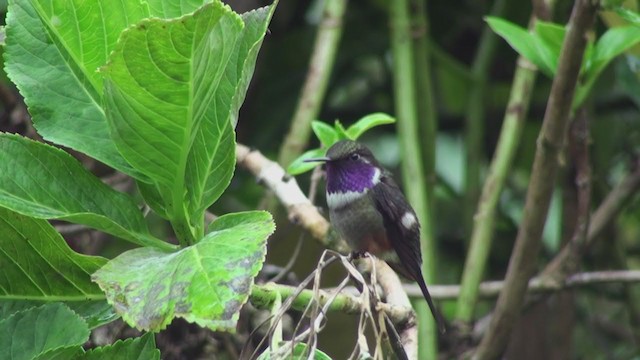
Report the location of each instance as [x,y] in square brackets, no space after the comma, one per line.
[408,220]
[376,176]
[339,199]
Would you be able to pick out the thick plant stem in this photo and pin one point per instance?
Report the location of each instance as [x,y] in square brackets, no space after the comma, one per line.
[427,114]
[550,141]
[484,218]
[428,127]
[475,118]
[412,170]
[315,86]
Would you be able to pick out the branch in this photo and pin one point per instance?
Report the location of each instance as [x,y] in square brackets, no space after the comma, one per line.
[561,266]
[550,141]
[315,86]
[613,203]
[300,209]
[263,296]
[491,289]
[601,218]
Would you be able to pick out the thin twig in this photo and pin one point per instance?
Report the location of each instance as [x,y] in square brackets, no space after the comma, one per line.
[610,207]
[551,139]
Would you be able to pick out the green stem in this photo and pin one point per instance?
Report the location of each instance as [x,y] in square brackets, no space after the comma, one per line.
[263,297]
[524,257]
[412,171]
[320,67]
[424,91]
[484,219]
[474,130]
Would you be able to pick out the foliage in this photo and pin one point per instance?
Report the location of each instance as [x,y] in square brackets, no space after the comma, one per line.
[542,47]
[328,136]
[159,108]
[54,331]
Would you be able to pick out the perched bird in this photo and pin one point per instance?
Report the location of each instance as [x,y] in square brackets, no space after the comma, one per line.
[370,212]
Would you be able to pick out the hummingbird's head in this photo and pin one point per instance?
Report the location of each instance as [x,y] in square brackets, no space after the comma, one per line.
[351,172]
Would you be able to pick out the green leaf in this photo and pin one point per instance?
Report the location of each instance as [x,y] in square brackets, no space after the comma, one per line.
[298,166]
[38,264]
[171,8]
[526,44]
[206,283]
[172,102]
[53,51]
[325,133]
[211,159]
[94,312]
[370,121]
[29,333]
[61,353]
[613,43]
[300,352]
[143,348]
[629,15]
[340,130]
[41,181]
[550,37]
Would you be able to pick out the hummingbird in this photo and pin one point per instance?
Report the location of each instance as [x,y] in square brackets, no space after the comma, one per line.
[368,209]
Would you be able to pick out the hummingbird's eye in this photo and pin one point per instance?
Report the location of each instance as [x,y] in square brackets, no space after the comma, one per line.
[355,156]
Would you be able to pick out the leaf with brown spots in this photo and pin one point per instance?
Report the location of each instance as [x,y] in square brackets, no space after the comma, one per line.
[206,283]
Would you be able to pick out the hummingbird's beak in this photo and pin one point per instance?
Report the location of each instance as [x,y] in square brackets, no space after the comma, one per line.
[320,159]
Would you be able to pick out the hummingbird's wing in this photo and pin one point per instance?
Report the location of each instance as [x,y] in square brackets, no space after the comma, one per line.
[393,206]
[403,232]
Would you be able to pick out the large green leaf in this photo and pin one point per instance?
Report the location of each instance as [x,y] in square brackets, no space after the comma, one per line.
[94,312]
[62,99]
[54,48]
[29,333]
[212,157]
[172,102]
[41,181]
[142,348]
[38,264]
[206,283]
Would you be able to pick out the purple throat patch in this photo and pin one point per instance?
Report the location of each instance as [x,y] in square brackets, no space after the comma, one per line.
[354,177]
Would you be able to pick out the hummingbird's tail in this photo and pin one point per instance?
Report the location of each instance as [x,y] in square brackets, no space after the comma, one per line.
[436,314]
